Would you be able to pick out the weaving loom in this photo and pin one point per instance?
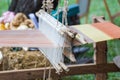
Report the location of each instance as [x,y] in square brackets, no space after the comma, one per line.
[87,33]
[98,32]
[51,39]
[53,47]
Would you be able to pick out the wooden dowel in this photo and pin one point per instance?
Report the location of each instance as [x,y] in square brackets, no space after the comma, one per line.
[80,38]
[64,66]
[27,74]
[58,68]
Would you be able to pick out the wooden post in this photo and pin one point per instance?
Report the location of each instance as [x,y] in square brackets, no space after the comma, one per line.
[100,52]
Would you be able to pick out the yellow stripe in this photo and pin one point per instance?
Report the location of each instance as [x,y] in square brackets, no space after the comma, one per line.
[92,32]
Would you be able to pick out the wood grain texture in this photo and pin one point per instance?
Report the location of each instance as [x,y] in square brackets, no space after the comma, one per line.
[101,58]
[74,70]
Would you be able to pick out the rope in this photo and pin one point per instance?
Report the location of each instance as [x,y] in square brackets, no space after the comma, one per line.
[64,16]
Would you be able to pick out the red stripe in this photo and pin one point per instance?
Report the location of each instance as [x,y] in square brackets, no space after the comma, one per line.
[108,28]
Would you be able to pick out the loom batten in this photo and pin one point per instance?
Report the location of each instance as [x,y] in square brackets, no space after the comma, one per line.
[54,26]
[51,28]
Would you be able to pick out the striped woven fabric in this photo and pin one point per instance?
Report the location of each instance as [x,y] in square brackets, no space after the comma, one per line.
[34,38]
[97,32]
[24,38]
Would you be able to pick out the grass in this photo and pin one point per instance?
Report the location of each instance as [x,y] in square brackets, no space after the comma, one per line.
[3,6]
[96,8]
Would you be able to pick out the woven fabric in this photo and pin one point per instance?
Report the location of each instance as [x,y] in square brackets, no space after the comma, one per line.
[98,31]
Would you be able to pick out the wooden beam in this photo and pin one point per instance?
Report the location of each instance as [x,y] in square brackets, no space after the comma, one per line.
[101,58]
[74,70]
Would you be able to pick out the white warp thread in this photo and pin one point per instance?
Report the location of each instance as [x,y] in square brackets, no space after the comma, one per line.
[50,27]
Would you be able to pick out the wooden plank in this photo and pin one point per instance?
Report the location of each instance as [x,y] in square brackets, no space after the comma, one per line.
[23,38]
[74,70]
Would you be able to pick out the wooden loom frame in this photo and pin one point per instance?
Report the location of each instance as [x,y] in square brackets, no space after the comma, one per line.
[112,17]
[100,67]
